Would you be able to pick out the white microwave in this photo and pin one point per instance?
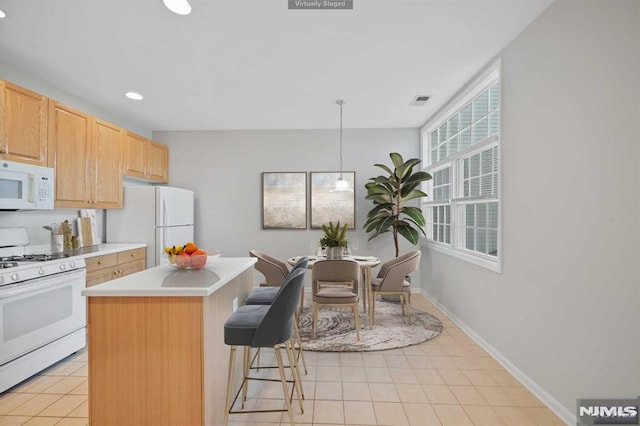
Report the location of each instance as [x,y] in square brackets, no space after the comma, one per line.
[26,187]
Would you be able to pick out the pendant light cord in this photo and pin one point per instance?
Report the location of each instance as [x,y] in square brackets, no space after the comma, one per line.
[340,102]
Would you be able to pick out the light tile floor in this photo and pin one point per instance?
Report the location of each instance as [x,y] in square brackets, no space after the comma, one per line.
[446,381]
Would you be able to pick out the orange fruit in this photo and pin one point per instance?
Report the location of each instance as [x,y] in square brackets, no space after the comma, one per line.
[190,248]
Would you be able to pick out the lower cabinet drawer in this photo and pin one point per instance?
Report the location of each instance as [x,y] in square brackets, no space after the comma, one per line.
[101,275]
[108,267]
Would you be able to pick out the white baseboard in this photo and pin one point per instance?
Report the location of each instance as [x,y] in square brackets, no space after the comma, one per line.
[554,405]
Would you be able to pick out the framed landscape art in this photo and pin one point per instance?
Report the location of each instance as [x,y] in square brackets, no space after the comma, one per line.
[329,205]
[284,200]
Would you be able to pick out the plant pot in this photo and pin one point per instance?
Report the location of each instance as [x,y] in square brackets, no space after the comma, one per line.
[334,253]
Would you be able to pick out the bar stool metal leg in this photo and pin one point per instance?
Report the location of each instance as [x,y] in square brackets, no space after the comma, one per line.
[300,351]
[295,374]
[283,379]
[227,407]
[245,373]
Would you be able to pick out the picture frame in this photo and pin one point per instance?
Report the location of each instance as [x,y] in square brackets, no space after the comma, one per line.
[284,200]
[328,205]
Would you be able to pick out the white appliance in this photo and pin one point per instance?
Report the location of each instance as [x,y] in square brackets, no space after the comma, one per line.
[26,187]
[157,215]
[43,314]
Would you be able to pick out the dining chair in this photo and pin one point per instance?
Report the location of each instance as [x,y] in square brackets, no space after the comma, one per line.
[391,281]
[274,270]
[266,296]
[265,326]
[335,283]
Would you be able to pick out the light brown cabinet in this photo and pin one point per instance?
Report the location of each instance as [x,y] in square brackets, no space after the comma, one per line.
[158,162]
[108,267]
[23,125]
[145,159]
[86,153]
[105,172]
[135,155]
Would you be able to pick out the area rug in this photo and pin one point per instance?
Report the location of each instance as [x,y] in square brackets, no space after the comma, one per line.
[336,332]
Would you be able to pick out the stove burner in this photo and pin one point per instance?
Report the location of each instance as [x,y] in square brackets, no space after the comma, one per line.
[13,260]
[6,264]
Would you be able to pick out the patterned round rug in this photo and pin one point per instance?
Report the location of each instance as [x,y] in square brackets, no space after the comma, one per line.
[336,332]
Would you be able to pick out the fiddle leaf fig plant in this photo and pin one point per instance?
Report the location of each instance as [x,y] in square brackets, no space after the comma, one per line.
[390,195]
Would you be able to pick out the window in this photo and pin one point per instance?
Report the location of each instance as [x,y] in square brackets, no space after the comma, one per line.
[461,150]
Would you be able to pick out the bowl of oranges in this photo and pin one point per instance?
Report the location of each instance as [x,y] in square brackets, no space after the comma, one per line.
[188,256]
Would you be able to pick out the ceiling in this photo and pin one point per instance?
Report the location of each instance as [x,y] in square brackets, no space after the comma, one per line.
[254,64]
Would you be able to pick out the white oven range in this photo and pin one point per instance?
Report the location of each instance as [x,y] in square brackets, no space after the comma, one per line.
[42,314]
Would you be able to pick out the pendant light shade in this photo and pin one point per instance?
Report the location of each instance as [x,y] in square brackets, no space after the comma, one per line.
[341,185]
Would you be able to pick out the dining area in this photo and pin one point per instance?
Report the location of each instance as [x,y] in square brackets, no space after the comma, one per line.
[281,316]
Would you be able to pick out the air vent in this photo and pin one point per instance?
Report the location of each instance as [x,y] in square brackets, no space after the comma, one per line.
[419,100]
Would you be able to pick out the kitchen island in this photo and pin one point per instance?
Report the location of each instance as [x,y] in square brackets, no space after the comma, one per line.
[156,344]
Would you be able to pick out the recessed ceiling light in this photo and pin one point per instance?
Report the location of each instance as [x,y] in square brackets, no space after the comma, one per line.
[2,14]
[133,95]
[181,7]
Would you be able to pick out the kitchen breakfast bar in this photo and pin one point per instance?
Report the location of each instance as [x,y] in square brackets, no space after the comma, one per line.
[156,344]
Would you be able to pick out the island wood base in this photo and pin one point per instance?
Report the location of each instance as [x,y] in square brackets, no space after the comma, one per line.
[160,360]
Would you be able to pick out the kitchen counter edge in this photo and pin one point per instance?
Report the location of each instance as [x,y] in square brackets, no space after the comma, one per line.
[102,249]
[166,281]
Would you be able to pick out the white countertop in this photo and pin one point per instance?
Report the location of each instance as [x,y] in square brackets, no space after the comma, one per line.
[89,251]
[165,280]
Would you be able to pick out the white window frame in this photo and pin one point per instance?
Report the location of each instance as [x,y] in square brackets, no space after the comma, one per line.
[480,83]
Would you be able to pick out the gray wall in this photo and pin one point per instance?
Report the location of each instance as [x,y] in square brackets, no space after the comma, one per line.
[224,169]
[565,309]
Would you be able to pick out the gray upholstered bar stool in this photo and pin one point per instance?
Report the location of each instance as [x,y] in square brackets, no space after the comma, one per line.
[262,326]
[266,295]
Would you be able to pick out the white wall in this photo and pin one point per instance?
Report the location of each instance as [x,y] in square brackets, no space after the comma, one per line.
[224,169]
[565,309]
[75,100]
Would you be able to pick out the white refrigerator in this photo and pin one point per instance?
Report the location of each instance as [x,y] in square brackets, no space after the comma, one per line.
[157,215]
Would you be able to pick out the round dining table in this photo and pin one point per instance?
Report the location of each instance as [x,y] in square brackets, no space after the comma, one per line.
[366,263]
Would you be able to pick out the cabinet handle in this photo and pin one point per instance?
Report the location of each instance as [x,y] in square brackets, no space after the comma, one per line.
[133,255]
[2,151]
[100,262]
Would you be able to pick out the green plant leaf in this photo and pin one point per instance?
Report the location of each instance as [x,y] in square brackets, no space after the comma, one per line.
[409,233]
[414,213]
[385,168]
[396,159]
[416,193]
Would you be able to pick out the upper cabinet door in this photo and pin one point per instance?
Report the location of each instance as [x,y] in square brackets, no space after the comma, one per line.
[135,155]
[23,125]
[106,170]
[158,162]
[69,151]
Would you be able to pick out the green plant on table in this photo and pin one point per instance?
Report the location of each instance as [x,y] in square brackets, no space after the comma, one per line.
[334,235]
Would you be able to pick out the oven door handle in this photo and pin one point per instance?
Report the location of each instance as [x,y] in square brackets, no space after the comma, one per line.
[45,283]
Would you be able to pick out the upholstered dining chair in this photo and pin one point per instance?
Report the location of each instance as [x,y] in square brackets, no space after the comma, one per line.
[264,326]
[391,280]
[274,270]
[335,283]
[266,295]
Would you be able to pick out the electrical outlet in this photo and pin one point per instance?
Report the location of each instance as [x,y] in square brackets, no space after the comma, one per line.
[234,304]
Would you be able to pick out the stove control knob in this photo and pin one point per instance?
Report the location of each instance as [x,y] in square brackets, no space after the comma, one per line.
[63,267]
[14,277]
[41,271]
[72,265]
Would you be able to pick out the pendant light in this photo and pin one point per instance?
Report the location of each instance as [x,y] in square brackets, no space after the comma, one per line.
[341,185]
